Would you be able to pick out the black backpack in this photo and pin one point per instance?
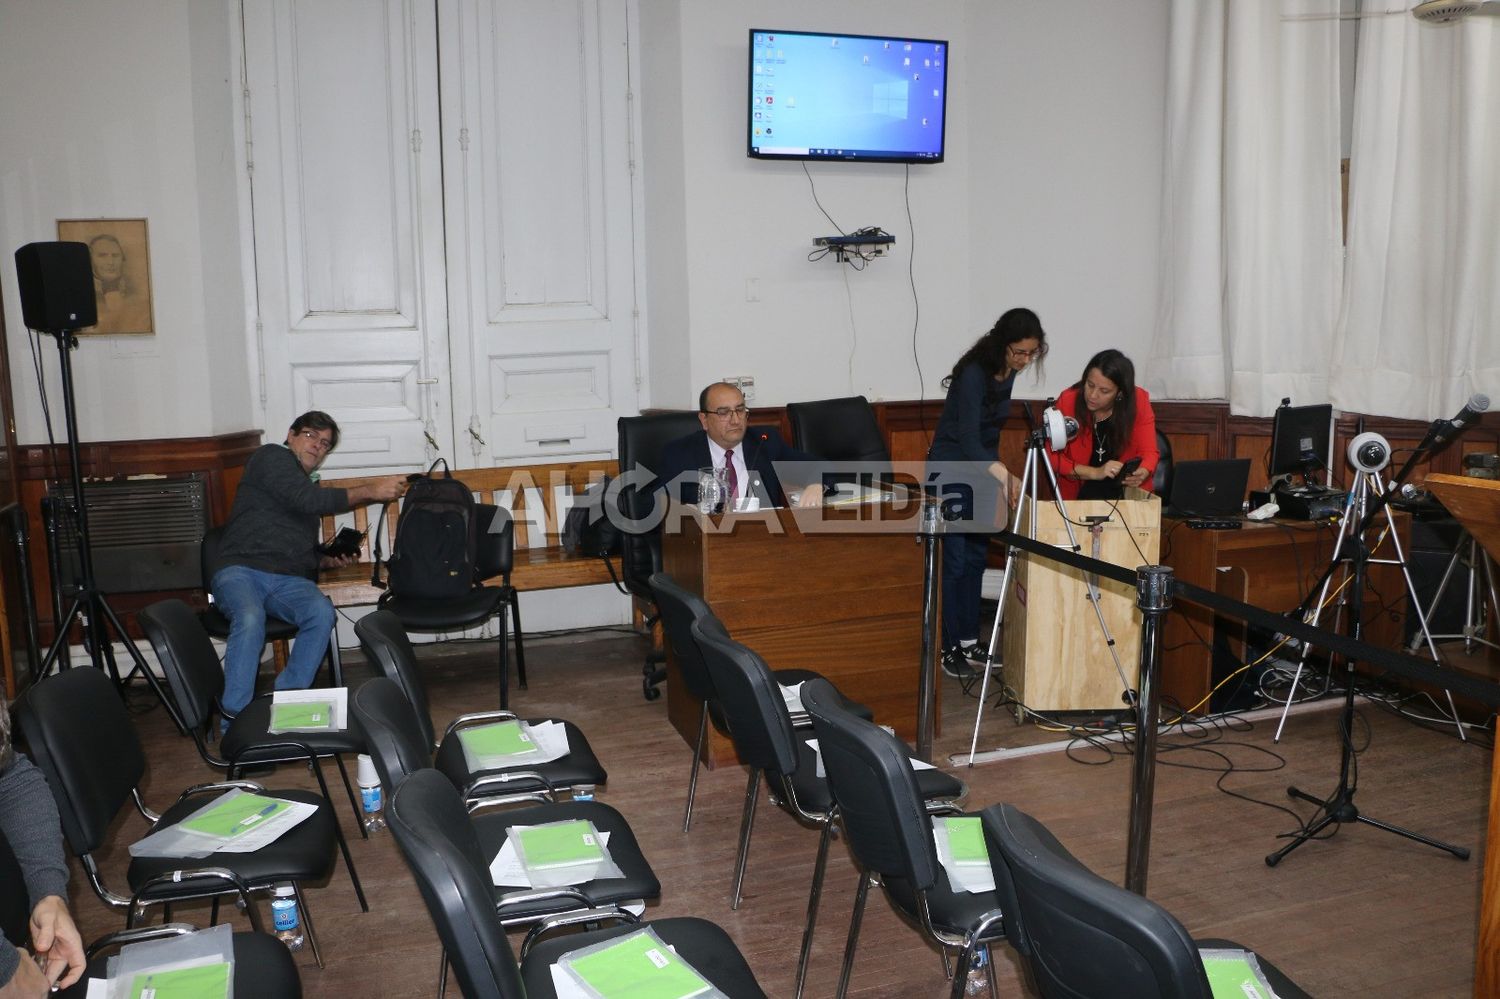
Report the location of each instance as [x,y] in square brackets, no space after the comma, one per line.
[587,529]
[437,539]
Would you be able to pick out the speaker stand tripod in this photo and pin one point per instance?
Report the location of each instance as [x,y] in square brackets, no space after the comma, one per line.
[89,604]
[1338,807]
[1477,612]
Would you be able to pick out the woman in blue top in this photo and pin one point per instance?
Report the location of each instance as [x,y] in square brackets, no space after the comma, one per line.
[969,431]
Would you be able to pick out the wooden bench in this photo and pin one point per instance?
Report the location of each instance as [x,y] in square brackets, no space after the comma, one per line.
[538,497]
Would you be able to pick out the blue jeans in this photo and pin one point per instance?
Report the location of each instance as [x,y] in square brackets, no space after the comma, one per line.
[246,596]
[964,556]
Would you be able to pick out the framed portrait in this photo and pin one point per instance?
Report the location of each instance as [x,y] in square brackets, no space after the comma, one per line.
[121,259]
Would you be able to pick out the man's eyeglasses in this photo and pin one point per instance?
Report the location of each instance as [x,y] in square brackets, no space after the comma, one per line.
[725,412]
[1027,354]
[317,440]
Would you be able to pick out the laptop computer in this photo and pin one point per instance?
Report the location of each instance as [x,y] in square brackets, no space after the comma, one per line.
[1214,488]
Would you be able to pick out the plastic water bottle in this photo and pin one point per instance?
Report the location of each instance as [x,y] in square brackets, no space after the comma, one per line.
[979,973]
[370,797]
[285,918]
[583,792]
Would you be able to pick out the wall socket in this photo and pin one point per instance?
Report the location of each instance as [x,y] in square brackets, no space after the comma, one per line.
[745,383]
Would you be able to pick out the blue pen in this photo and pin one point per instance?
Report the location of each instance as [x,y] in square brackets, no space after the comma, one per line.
[241,825]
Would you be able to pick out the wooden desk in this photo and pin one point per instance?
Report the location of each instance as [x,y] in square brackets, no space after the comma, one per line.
[1270,564]
[847,604]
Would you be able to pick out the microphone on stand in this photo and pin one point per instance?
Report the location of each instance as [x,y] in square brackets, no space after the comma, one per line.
[1443,431]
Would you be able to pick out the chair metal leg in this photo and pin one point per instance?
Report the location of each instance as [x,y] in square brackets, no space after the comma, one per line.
[504,668]
[747,822]
[989,970]
[338,832]
[335,661]
[443,974]
[687,815]
[213,912]
[307,924]
[354,803]
[514,599]
[812,903]
[854,920]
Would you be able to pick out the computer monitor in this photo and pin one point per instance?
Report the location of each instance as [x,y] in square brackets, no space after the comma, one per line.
[1300,440]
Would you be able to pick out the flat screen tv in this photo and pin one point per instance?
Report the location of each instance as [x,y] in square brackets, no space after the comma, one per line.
[816,96]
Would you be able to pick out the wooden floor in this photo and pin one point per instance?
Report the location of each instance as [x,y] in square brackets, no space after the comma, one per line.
[1364,912]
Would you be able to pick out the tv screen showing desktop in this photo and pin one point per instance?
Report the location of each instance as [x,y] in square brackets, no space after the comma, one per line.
[846,97]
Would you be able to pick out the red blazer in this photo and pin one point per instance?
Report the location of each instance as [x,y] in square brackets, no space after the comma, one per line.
[1142,442]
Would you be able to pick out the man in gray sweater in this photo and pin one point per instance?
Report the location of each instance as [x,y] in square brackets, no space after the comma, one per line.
[268,559]
[29,823]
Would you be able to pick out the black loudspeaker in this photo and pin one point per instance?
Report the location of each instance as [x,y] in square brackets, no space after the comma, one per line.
[1432,543]
[56,282]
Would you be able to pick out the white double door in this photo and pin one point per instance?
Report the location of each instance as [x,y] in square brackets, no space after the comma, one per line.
[444,224]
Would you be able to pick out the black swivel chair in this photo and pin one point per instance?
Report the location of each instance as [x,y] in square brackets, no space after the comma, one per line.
[1161,479]
[449,864]
[1085,936]
[494,557]
[888,826]
[840,430]
[642,439]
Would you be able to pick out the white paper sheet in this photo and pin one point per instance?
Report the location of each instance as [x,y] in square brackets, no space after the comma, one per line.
[971,878]
[337,696]
[812,744]
[550,739]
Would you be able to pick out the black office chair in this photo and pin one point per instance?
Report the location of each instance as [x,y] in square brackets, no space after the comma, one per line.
[887,822]
[82,738]
[679,609]
[494,557]
[840,430]
[1161,479]
[1087,936]
[443,849]
[642,439]
[263,967]
[217,625]
[387,649]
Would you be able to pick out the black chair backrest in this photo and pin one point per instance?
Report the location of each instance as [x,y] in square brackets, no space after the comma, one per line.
[208,554]
[496,551]
[870,776]
[387,648]
[1087,936]
[838,430]
[642,439]
[81,737]
[388,723]
[436,835]
[679,609]
[1161,479]
[187,657]
[751,700]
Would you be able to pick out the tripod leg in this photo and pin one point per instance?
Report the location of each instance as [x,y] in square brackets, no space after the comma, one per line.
[139,660]
[1458,851]
[1309,833]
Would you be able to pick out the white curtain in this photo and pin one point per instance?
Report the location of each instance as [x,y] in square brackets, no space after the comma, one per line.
[1251,242]
[1420,326]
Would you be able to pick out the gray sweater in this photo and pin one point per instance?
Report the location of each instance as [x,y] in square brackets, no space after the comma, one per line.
[28,819]
[273,526]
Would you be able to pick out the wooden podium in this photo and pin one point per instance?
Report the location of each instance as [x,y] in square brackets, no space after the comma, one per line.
[1475,503]
[838,591]
[1056,657]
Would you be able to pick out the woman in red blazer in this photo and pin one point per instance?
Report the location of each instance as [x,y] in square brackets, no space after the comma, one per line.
[1115,424]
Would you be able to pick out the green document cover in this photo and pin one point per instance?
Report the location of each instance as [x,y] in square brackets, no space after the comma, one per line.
[966,841]
[234,816]
[207,981]
[638,967]
[302,716]
[560,844]
[1232,976]
[505,738]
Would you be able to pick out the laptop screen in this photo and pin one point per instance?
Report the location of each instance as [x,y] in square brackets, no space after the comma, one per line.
[1211,488]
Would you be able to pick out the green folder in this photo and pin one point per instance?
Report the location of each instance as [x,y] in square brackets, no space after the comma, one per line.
[234,815]
[206,981]
[639,966]
[560,844]
[966,841]
[1232,976]
[505,738]
[301,716]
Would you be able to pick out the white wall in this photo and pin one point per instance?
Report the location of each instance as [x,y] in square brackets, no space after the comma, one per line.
[123,111]
[1048,197]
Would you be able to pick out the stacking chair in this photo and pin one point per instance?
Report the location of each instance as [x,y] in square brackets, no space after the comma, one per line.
[263,967]
[446,856]
[188,659]
[761,728]
[81,736]
[840,430]
[386,647]
[217,625]
[679,608]
[495,556]
[397,744]
[1161,479]
[641,440]
[888,827]
[1086,936]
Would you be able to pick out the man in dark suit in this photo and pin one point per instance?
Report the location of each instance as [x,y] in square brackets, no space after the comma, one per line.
[728,441]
